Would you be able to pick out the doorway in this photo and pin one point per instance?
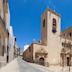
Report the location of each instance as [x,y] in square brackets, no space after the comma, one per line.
[68,61]
[41,61]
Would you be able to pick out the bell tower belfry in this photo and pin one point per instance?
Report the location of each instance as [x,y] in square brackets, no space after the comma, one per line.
[50,35]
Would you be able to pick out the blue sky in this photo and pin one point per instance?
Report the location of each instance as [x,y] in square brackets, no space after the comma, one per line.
[26,17]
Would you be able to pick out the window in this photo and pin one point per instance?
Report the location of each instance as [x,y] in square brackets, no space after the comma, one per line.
[62,43]
[64,34]
[3,1]
[15,38]
[70,34]
[7,58]
[54,21]
[8,33]
[54,26]
[44,23]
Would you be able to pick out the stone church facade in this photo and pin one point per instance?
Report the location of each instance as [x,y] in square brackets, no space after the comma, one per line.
[54,48]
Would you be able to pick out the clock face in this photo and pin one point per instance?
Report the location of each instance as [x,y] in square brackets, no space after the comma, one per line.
[54,26]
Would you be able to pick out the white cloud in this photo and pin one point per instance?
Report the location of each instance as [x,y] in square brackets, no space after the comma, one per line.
[11,30]
[26,46]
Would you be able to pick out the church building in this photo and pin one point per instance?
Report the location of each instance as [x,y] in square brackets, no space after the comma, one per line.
[55,47]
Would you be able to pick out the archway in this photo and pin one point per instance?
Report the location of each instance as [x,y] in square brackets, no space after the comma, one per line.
[63,56]
[41,61]
[68,61]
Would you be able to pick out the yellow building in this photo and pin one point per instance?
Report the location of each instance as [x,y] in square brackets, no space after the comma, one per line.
[50,50]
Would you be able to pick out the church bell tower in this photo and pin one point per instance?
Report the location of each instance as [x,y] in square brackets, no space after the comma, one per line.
[50,35]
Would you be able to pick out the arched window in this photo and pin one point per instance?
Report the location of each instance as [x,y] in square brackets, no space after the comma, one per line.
[44,23]
[41,61]
[54,25]
[70,34]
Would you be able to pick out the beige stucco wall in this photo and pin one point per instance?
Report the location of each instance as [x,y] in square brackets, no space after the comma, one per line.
[44,29]
[66,38]
[38,48]
[28,54]
[31,55]
[3,36]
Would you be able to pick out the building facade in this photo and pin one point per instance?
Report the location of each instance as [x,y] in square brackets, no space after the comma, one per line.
[3,43]
[49,51]
[16,49]
[7,40]
[66,52]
